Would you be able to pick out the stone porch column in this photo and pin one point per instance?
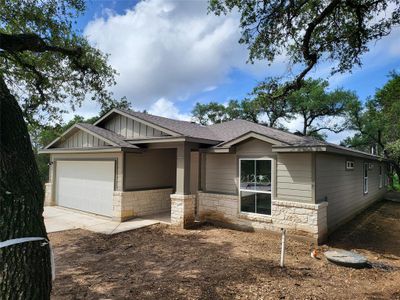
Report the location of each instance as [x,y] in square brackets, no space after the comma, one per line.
[49,187]
[182,202]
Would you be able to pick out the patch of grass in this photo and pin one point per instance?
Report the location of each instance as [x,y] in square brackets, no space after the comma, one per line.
[396,183]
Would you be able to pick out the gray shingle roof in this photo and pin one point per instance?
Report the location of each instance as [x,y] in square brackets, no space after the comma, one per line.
[231,130]
[107,134]
[228,131]
[184,128]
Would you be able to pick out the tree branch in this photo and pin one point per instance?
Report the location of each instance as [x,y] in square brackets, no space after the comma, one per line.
[32,42]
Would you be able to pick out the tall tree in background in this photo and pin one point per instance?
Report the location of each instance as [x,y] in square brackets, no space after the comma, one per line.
[378,123]
[321,110]
[269,100]
[310,32]
[43,64]
[214,112]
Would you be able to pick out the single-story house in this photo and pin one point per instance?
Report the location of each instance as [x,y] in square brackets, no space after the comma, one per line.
[238,173]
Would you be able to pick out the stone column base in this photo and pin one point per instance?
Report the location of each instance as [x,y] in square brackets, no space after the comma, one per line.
[183,210]
[48,195]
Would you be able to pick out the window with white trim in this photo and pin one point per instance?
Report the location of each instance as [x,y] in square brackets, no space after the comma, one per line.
[365,178]
[380,177]
[349,165]
[255,185]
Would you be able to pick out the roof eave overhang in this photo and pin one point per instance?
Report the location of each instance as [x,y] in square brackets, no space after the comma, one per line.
[219,150]
[88,150]
[173,139]
[327,149]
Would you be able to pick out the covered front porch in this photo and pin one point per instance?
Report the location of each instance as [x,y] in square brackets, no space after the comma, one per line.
[160,179]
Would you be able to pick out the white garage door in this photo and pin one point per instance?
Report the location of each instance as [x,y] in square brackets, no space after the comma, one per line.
[85,185]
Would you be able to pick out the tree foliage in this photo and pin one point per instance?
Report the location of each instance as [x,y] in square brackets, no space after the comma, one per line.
[45,63]
[268,99]
[214,112]
[377,123]
[321,110]
[309,32]
[45,66]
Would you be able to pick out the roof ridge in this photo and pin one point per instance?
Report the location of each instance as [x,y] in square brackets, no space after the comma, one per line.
[309,138]
[128,110]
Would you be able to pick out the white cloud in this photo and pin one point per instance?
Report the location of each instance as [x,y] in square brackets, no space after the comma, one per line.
[171,49]
[164,108]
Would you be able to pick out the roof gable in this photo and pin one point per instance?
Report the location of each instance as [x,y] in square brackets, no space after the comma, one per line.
[249,135]
[108,117]
[83,135]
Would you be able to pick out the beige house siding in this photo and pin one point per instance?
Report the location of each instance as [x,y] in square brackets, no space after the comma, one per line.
[150,169]
[130,128]
[221,172]
[295,177]
[81,139]
[343,189]
[254,148]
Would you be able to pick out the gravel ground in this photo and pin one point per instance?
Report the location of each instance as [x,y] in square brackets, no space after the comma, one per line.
[162,262]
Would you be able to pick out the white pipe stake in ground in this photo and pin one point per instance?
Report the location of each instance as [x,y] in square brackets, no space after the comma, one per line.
[283,247]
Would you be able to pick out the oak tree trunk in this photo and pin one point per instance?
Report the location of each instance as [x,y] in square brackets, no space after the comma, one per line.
[25,269]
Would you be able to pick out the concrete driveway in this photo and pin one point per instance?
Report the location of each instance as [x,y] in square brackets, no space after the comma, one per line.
[59,219]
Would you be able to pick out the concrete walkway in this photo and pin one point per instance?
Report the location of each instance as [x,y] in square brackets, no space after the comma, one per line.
[60,219]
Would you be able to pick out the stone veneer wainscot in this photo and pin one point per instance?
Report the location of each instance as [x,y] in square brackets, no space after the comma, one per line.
[309,220]
[131,204]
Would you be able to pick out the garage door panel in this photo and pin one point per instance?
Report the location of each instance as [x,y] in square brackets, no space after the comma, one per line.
[86,185]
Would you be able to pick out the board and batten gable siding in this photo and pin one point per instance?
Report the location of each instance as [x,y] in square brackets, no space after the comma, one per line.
[81,139]
[131,129]
[150,169]
[343,189]
[295,177]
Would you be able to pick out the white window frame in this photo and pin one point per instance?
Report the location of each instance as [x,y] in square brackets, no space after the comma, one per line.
[365,178]
[350,165]
[380,176]
[255,191]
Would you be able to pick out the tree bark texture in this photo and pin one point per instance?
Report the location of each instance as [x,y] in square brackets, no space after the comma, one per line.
[25,269]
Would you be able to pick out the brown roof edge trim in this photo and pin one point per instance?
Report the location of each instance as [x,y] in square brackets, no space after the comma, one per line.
[326,148]
[172,139]
[251,134]
[81,150]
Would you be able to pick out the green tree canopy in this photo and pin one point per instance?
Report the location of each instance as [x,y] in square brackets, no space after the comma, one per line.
[377,123]
[45,63]
[214,112]
[309,32]
[321,110]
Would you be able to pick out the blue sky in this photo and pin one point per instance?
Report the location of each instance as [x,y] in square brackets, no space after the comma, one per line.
[172,54]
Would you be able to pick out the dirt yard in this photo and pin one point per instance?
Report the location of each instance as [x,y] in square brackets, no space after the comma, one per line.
[160,262]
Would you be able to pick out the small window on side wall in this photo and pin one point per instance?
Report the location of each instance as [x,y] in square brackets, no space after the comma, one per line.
[365,178]
[349,165]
